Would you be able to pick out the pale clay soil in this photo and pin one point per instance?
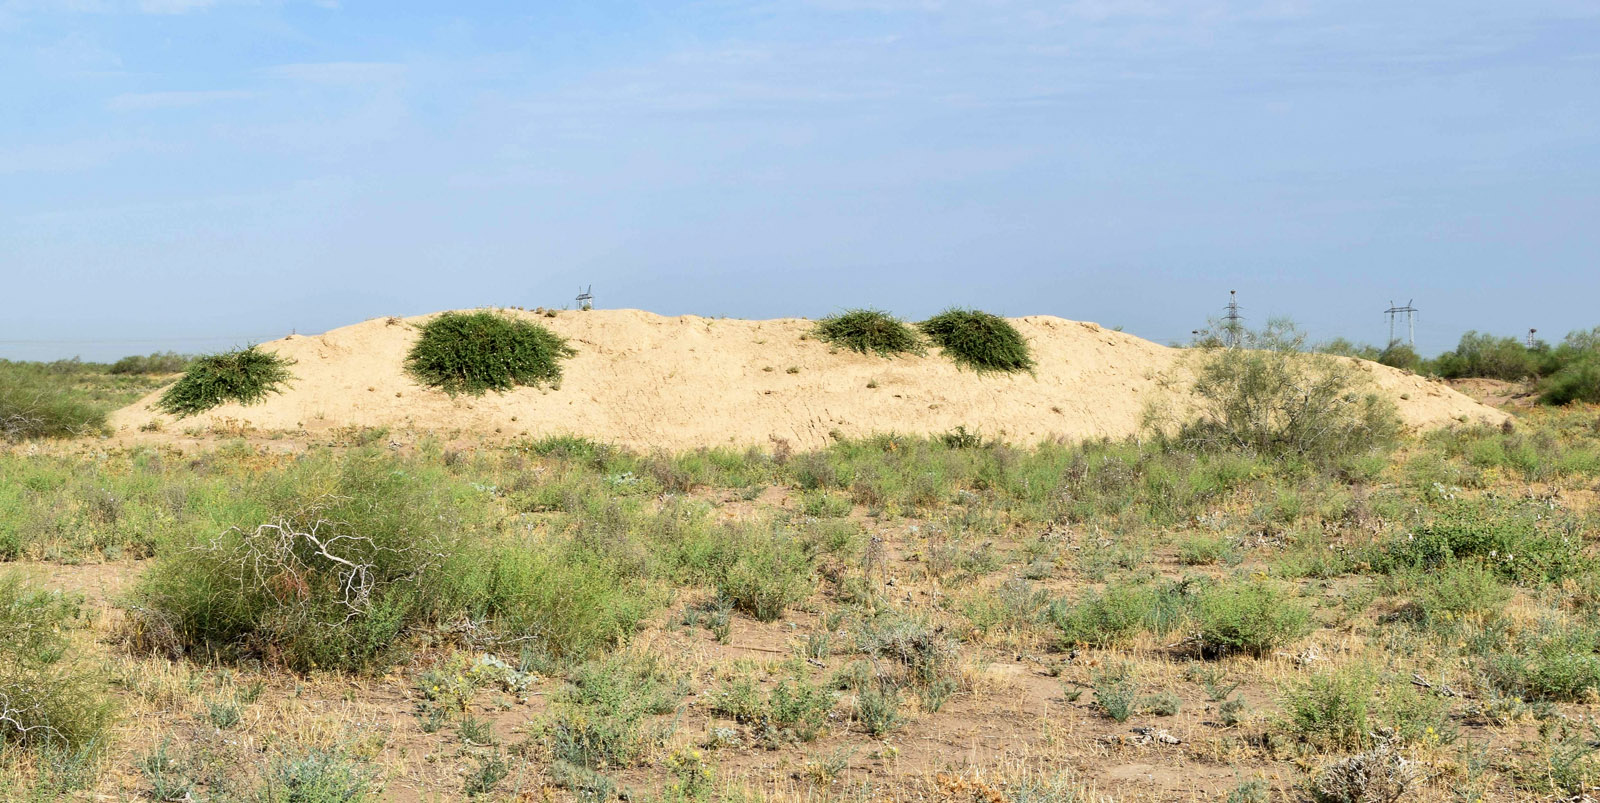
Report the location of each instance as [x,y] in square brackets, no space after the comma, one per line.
[651,382]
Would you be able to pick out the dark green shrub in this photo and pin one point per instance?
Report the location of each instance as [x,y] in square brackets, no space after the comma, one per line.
[48,700]
[1251,618]
[870,331]
[476,352]
[37,403]
[245,376]
[1484,355]
[979,340]
[1576,381]
[1276,401]
[1402,356]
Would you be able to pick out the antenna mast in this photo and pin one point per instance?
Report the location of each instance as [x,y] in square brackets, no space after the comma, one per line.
[1234,326]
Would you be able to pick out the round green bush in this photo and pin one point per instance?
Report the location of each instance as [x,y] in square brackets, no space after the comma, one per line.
[245,376]
[870,330]
[979,340]
[476,352]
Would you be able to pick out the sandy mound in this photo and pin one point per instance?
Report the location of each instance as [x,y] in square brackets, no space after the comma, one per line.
[646,381]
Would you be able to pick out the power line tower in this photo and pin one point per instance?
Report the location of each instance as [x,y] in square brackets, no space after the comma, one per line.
[1233,322]
[586,298]
[1411,321]
[1530,337]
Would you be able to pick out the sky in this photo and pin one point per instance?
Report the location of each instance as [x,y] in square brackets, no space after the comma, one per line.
[198,174]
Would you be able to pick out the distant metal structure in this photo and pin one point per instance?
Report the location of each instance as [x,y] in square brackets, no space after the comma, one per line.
[1530,337]
[586,298]
[1233,322]
[1411,321]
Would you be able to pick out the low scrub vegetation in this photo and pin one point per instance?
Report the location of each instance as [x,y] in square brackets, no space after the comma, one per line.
[336,562]
[979,340]
[870,331]
[1562,374]
[35,403]
[246,376]
[50,700]
[162,362]
[565,614]
[475,352]
[1273,399]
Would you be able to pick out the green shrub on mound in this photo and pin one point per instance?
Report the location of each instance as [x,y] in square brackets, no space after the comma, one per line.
[37,404]
[47,699]
[870,330]
[979,340]
[245,376]
[475,352]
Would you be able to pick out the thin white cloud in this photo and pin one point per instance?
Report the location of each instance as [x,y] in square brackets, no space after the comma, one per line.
[174,6]
[62,157]
[340,73]
[145,101]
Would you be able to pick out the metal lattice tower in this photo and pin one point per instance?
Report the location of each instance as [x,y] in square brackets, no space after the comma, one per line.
[1411,321]
[1530,337]
[586,298]
[1233,322]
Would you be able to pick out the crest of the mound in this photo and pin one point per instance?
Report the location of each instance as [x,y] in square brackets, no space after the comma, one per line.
[648,381]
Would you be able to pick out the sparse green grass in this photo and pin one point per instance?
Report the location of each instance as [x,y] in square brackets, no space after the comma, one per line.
[870,331]
[473,353]
[246,376]
[911,568]
[978,340]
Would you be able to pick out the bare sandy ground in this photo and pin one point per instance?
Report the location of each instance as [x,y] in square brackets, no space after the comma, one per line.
[648,381]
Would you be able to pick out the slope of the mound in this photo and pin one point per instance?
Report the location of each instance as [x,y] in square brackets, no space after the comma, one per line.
[648,381]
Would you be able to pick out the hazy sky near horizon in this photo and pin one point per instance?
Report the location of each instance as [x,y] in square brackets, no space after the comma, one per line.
[190,174]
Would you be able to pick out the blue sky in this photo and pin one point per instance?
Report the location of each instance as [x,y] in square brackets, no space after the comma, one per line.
[193,173]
